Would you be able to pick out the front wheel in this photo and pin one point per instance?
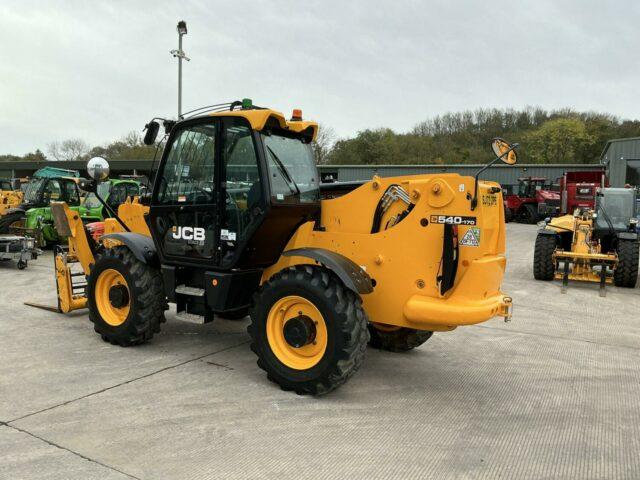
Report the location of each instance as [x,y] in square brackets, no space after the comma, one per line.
[626,271]
[125,298]
[544,267]
[308,330]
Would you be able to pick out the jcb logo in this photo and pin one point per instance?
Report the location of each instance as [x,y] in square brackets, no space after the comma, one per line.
[188,233]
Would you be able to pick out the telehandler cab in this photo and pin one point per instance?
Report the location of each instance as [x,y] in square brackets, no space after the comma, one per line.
[235,225]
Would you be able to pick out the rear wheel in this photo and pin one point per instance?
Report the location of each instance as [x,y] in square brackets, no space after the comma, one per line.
[626,272]
[7,220]
[528,214]
[308,330]
[125,298]
[543,264]
[396,339]
[508,214]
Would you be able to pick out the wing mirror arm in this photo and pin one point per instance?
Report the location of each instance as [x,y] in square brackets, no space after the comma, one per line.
[474,199]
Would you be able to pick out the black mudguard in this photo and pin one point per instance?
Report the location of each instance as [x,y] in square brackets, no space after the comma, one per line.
[544,231]
[351,274]
[140,245]
[632,236]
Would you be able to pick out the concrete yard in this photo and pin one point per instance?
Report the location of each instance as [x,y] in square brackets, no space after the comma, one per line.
[553,394]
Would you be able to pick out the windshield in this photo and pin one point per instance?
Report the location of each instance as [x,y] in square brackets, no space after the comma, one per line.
[32,190]
[91,201]
[618,205]
[292,170]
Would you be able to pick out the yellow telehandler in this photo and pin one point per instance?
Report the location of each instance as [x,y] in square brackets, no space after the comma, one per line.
[235,225]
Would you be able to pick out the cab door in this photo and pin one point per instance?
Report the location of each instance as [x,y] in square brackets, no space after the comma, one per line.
[183,215]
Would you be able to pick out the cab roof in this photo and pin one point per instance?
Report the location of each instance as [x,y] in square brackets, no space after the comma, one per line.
[258,118]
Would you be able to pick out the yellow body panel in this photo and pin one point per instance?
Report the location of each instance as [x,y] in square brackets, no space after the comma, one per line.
[10,199]
[132,213]
[404,260]
[258,119]
[585,251]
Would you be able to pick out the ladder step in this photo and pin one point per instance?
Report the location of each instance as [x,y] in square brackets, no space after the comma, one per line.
[191,318]
[191,291]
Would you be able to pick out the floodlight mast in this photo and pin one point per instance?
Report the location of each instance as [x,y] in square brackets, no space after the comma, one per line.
[180,55]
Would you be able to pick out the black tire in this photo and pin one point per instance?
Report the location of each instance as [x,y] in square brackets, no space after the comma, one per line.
[8,219]
[343,315]
[543,265]
[508,215]
[401,340]
[147,301]
[22,264]
[626,272]
[528,214]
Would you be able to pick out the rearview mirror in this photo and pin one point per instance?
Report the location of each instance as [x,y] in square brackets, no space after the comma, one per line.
[152,129]
[98,169]
[504,151]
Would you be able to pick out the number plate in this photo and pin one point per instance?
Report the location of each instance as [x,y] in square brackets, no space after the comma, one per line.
[453,219]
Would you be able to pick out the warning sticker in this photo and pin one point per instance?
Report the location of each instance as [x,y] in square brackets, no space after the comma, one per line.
[471,238]
[227,235]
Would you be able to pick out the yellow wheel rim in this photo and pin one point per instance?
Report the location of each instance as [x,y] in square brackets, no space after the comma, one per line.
[284,310]
[111,314]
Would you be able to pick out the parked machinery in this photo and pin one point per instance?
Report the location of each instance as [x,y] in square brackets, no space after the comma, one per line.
[48,184]
[532,201]
[594,245]
[235,224]
[578,190]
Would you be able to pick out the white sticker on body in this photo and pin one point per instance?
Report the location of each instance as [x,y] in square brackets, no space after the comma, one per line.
[461,187]
[471,238]
[227,235]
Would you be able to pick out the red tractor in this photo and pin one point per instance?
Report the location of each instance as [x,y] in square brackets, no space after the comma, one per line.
[533,201]
[578,190]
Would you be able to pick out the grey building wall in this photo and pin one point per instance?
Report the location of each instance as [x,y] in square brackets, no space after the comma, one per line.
[622,159]
[503,174]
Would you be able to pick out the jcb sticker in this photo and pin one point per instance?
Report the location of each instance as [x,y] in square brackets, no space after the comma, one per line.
[471,238]
[489,200]
[188,233]
[453,219]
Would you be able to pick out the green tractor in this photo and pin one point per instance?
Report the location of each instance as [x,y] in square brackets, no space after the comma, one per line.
[39,223]
[48,184]
[114,192]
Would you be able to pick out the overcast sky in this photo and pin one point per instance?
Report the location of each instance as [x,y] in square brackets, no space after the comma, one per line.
[97,70]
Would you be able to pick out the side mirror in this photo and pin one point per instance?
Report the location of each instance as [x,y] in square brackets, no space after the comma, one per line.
[504,151]
[98,169]
[152,129]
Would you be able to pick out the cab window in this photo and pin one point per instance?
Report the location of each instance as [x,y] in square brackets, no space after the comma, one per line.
[52,191]
[244,199]
[292,169]
[70,192]
[188,173]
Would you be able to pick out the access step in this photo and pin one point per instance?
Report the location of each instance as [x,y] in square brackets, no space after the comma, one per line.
[190,291]
[191,318]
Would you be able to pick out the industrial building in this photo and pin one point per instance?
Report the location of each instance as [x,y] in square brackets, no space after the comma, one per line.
[621,157]
[504,174]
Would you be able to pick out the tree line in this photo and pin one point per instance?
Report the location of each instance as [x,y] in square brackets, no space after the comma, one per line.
[556,136]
